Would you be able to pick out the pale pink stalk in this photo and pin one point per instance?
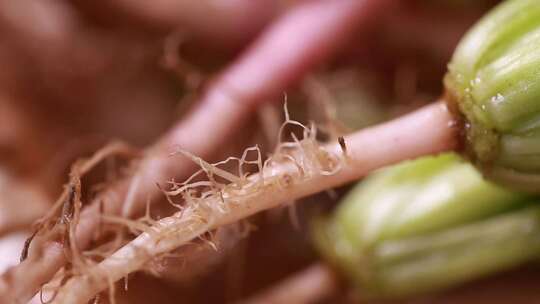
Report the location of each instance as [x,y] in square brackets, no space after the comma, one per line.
[311,285]
[228,23]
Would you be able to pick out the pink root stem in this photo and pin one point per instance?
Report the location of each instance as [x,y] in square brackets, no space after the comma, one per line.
[429,130]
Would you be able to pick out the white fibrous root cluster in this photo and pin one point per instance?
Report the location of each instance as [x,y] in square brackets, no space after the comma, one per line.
[297,168]
[61,222]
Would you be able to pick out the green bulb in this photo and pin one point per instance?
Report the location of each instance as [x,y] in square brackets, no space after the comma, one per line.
[427,224]
[494,82]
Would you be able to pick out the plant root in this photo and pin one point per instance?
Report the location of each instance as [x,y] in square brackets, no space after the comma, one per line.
[241,88]
[60,225]
[298,168]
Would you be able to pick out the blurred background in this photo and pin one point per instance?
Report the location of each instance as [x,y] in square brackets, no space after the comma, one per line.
[76,75]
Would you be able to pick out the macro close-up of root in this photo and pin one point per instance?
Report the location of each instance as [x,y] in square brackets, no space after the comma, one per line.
[207,205]
[298,168]
[273,152]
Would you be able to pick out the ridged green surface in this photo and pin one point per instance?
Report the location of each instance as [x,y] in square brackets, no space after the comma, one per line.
[427,224]
[494,77]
